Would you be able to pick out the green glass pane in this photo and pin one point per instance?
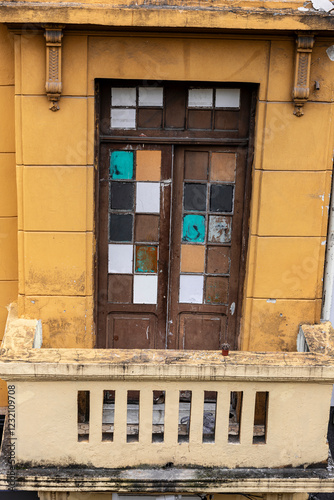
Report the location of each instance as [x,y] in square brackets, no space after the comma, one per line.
[121,165]
[193,228]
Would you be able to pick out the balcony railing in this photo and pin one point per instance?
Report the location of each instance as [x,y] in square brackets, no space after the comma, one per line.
[122,408]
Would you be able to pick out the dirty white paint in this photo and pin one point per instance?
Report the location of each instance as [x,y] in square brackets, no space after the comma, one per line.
[325,5]
[120,259]
[123,118]
[38,338]
[227,98]
[200,98]
[123,96]
[150,96]
[330,52]
[191,289]
[145,289]
[148,197]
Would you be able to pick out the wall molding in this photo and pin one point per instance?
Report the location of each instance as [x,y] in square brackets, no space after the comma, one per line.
[53,86]
[301,89]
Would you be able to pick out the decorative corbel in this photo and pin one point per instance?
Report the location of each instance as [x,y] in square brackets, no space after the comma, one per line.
[53,85]
[301,89]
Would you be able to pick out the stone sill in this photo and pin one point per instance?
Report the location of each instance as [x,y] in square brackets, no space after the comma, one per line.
[22,358]
[172,480]
[267,15]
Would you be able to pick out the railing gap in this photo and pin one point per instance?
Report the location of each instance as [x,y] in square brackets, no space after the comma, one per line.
[108,416]
[83,403]
[158,417]
[132,427]
[184,416]
[260,418]
[235,415]
[209,416]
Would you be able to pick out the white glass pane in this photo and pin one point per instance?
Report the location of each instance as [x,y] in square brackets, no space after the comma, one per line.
[148,197]
[200,98]
[150,96]
[191,289]
[145,289]
[123,96]
[120,259]
[123,118]
[227,98]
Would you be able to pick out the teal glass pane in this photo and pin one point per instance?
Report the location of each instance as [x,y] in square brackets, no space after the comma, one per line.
[121,165]
[193,228]
[146,259]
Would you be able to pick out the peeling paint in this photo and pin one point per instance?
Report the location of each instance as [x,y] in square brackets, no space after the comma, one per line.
[271,301]
[330,52]
[325,5]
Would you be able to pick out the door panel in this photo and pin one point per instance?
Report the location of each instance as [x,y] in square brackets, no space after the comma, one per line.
[208,187]
[131,331]
[135,192]
[194,327]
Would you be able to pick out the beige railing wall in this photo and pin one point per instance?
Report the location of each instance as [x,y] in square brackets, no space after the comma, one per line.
[46,382]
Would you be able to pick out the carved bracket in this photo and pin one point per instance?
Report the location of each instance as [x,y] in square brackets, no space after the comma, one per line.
[301,89]
[53,85]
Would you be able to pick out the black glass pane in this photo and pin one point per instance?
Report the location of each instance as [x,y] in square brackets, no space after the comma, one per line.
[120,227]
[195,197]
[121,195]
[221,198]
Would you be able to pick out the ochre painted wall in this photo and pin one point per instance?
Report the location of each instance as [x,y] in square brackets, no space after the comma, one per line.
[55,175]
[8,202]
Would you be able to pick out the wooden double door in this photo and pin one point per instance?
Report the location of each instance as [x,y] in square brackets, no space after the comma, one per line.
[170,248]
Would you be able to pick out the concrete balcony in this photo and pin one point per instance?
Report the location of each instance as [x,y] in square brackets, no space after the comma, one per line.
[254,418]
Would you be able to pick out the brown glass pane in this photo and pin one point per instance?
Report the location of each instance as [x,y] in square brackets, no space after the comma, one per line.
[227,120]
[218,260]
[223,167]
[147,228]
[120,288]
[216,290]
[175,107]
[149,118]
[196,165]
[199,119]
[201,331]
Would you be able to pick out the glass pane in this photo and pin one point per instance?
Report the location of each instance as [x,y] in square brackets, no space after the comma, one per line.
[123,118]
[200,98]
[120,227]
[150,96]
[123,96]
[227,98]
[195,197]
[194,228]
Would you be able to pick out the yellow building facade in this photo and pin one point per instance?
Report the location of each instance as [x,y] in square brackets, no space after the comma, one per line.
[49,203]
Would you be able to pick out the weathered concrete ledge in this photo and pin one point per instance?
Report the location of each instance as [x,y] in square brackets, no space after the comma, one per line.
[21,359]
[172,480]
[202,14]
